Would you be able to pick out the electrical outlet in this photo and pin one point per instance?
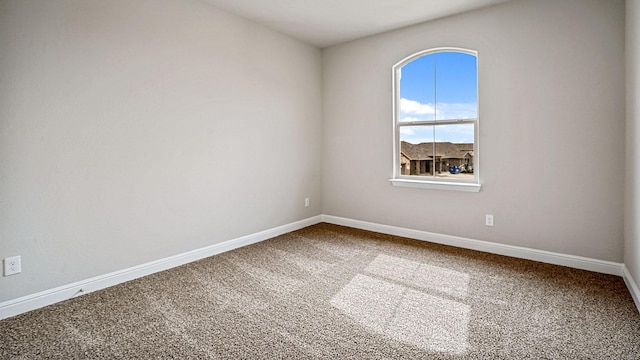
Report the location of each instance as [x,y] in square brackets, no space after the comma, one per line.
[12,266]
[306,202]
[488,220]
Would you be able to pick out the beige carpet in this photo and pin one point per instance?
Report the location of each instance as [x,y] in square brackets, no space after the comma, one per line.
[333,292]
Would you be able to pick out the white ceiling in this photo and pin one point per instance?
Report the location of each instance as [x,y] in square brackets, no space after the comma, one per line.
[328,22]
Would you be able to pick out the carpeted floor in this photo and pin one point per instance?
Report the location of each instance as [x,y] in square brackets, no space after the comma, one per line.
[333,292]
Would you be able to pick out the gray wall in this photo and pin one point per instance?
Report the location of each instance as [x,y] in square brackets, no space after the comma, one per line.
[632,195]
[136,130]
[552,110]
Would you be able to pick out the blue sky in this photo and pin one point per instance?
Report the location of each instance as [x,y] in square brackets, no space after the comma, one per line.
[456,85]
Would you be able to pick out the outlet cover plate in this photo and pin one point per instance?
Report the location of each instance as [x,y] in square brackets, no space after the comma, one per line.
[488,220]
[12,265]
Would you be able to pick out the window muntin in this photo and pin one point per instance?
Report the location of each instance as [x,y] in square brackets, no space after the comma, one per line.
[436,116]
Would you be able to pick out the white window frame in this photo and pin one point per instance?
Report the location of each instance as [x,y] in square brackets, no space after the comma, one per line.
[431,182]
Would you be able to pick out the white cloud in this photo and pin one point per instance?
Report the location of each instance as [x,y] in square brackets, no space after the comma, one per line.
[406,131]
[441,109]
[415,107]
[455,133]
[456,111]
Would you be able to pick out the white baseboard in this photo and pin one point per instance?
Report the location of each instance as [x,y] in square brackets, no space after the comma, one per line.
[41,299]
[632,285]
[578,262]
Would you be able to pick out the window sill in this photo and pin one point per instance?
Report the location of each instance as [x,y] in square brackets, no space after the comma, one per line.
[436,185]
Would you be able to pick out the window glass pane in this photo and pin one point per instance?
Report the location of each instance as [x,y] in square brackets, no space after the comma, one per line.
[454,151]
[449,156]
[456,85]
[417,89]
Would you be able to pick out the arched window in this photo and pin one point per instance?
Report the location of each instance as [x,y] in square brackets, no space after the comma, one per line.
[436,120]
